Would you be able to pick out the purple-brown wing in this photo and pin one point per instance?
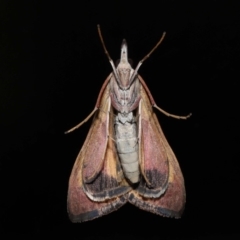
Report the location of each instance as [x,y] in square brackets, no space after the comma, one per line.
[97,186]
[161,189]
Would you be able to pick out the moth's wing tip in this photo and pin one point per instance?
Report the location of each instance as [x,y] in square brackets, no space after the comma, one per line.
[100,209]
[151,206]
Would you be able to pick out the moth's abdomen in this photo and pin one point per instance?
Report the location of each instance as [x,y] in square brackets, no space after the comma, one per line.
[127,145]
[128,154]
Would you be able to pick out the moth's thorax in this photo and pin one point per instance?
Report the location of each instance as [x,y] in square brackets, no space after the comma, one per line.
[124,72]
[124,100]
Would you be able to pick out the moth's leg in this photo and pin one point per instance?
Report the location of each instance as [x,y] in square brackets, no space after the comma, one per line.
[155,105]
[96,106]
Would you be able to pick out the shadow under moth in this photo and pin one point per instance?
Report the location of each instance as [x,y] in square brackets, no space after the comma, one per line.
[125,157]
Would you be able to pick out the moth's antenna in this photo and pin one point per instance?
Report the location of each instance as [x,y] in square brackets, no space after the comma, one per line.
[106,52]
[159,42]
[147,56]
[103,44]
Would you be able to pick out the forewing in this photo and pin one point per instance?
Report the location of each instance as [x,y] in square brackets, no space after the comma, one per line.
[160,168]
[154,163]
[96,185]
[109,182]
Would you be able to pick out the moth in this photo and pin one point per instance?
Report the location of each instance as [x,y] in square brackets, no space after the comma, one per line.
[125,157]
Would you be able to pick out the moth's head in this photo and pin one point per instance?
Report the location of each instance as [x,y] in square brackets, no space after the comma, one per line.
[124,69]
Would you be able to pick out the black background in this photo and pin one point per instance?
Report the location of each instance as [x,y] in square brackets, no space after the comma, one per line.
[52,68]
